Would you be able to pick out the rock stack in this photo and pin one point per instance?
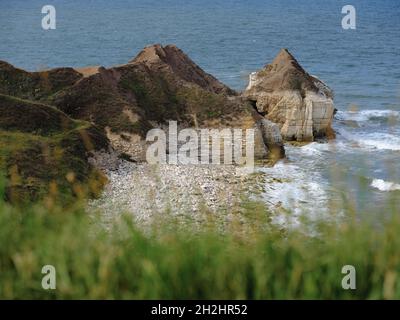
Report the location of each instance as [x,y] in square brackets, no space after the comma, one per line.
[284,93]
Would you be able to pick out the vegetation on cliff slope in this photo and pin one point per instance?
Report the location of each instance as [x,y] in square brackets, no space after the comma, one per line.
[44,152]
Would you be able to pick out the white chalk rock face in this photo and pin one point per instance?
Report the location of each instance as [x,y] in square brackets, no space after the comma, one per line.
[301,104]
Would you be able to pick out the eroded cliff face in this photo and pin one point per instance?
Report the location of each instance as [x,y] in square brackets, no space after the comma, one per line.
[301,104]
[77,111]
[160,84]
[196,98]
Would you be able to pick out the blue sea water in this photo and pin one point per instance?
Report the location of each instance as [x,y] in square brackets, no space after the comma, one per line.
[230,39]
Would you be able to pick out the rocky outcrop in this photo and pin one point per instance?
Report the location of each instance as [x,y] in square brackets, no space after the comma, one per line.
[272,137]
[171,58]
[199,99]
[126,101]
[59,115]
[284,93]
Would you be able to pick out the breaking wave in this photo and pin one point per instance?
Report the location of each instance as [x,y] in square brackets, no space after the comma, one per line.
[290,188]
[373,140]
[368,115]
[383,185]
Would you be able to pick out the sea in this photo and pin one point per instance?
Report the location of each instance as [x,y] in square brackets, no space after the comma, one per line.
[360,169]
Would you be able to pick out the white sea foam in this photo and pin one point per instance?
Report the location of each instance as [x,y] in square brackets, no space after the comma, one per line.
[383,185]
[314,148]
[299,188]
[373,141]
[383,142]
[318,149]
[366,115]
[292,193]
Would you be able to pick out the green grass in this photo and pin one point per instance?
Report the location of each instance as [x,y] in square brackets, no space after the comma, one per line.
[34,163]
[43,151]
[35,85]
[176,263]
[153,93]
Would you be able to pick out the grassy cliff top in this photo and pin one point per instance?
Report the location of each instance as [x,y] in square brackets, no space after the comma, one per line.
[42,150]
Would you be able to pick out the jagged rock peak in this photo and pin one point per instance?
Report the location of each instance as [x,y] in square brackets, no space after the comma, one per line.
[285,58]
[173,57]
[286,94]
[285,73]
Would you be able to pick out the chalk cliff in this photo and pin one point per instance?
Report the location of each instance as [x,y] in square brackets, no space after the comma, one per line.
[286,94]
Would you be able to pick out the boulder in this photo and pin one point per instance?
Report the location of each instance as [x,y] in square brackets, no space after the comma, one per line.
[284,93]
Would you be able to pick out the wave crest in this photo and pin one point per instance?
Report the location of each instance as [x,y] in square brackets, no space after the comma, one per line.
[383,185]
[367,115]
[373,141]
